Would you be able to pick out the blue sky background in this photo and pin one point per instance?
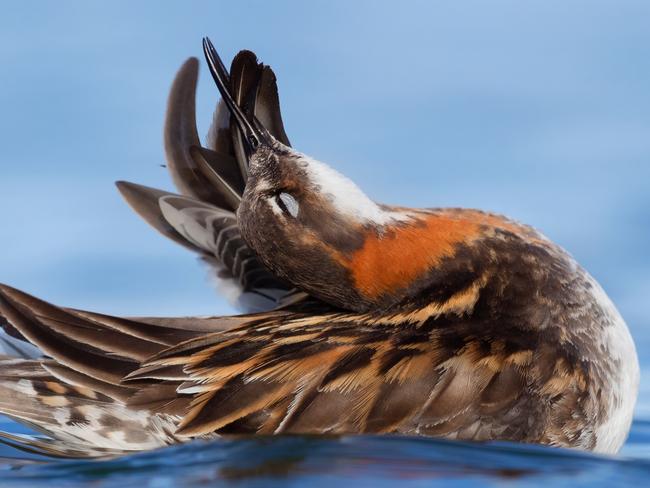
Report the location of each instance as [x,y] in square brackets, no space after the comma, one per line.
[539,110]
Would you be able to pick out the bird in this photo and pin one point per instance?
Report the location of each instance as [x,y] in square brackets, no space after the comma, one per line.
[357,317]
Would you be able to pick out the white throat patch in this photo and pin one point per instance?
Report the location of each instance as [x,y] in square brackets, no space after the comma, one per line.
[346,197]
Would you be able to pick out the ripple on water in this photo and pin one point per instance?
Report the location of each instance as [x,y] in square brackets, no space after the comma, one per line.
[323,461]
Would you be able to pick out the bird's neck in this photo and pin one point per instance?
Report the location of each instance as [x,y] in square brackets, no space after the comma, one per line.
[397,261]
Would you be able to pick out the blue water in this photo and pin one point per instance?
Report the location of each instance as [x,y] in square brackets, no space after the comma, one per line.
[325,461]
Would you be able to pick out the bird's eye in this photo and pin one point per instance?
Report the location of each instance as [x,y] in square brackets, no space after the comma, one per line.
[287,204]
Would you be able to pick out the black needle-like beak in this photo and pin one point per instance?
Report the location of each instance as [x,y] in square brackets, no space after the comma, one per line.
[254,133]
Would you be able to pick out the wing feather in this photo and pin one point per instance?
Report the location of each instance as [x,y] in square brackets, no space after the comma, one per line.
[283,371]
[212,182]
[319,374]
[213,233]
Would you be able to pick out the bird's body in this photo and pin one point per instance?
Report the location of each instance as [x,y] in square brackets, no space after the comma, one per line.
[371,318]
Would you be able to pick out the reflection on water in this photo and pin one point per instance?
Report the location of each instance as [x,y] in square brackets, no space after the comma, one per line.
[323,461]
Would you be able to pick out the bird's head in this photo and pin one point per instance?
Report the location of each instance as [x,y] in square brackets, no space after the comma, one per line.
[306,221]
[302,217]
[316,229]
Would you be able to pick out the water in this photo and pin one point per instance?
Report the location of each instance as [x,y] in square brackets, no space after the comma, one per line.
[324,461]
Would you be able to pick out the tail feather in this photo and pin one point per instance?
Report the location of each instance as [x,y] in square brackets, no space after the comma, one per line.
[75,378]
[114,350]
[73,352]
[77,421]
[47,446]
[77,398]
[13,343]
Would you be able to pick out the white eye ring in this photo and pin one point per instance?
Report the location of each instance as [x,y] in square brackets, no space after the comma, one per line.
[287,204]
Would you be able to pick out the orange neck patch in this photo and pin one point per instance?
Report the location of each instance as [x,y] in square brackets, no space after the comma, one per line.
[402,254]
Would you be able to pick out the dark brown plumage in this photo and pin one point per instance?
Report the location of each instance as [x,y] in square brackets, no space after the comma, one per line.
[362,318]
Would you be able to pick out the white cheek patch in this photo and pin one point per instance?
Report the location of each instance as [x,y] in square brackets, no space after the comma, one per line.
[346,197]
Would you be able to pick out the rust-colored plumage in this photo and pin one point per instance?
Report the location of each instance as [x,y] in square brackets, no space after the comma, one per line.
[412,249]
[360,317]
